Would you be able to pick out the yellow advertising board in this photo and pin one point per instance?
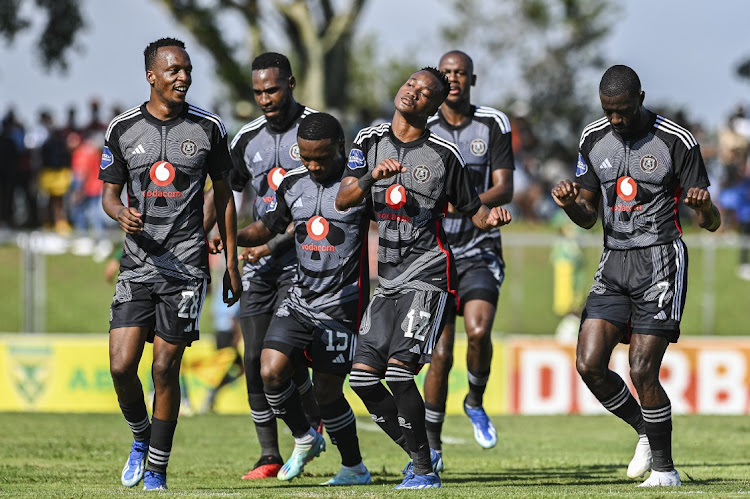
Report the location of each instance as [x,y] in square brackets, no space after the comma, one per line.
[70,373]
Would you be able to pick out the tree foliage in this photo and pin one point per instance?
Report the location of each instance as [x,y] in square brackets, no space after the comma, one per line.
[540,54]
[315,34]
[63,22]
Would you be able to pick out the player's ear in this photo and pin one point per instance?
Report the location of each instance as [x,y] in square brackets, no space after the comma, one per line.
[150,77]
[473,80]
[292,82]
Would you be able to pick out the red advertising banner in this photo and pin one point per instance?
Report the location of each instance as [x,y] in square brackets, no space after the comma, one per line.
[701,376]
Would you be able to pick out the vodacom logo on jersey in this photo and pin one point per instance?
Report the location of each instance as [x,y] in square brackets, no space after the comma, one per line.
[626,188]
[275,176]
[395,196]
[162,173]
[317,229]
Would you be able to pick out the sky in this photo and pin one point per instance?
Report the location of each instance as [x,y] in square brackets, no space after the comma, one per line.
[685,52]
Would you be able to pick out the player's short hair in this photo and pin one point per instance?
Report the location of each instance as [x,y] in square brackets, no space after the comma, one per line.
[320,126]
[149,53]
[442,79]
[618,80]
[273,60]
[463,55]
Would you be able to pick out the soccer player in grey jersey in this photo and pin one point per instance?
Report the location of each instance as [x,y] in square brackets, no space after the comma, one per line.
[638,165]
[410,175]
[162,150]
[321,312]
[262,152]
[483,137]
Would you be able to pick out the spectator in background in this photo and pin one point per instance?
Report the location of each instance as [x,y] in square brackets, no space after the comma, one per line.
[9,165]
[56,175]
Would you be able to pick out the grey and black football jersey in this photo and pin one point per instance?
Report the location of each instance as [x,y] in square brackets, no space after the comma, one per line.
[164,165]
[409,208]
[332,283]
[485,143]
[641,179]
[262,156]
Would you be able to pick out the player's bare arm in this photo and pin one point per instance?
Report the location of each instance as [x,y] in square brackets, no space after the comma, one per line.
[487,218]
[699,199]
[130,219]
[224,204]
[209,211]
[581,205]
[501,192]
[354,190]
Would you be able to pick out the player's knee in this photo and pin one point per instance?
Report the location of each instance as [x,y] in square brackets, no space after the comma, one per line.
[165,371]
[122,372]
[442,357]
[328,388]
[591,371]
[644,373]
[478,335]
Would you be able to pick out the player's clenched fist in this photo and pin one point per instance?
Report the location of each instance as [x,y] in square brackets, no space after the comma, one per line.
[698,199]
[215,244]
[498,217]
[387,168]
[565,193]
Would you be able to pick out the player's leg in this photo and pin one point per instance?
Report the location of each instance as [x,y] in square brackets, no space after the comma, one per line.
[125,350]
[478,317]
[284,398]
[341,426]
[132,320]
[309,403]
[646,354]
[436,383]
[369,366]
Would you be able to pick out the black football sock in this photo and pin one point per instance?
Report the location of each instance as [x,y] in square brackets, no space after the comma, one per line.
[160,446]
[379,403]
[477,385]
[137,418]
[434,417]
[265,425]
[622,404]
[286,405]
[411,415]
[341,426]
[659,432]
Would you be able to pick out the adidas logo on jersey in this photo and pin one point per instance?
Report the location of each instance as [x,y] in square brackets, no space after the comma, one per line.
[257,158]
[138,150]
[605,164]
[339,359]
[415,349]
[661,316]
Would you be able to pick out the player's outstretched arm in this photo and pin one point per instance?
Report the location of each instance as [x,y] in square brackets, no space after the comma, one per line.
[227,222]
[486,218]
[581,205]
[129,218]
[353,190]
[699,199]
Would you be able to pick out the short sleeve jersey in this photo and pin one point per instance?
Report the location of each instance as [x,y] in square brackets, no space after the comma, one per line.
[261,156]
[164,165]
[332,282]
[485,143]
[641,179]
[409,207]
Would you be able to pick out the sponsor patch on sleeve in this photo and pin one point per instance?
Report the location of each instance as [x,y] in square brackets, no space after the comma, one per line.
[107,158]
[272,205]
[581,167]
[356,159]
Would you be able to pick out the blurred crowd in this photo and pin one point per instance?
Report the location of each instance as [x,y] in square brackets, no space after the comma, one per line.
[49,174]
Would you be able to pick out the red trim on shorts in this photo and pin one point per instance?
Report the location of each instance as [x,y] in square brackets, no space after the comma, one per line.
[676,197]
[447,262]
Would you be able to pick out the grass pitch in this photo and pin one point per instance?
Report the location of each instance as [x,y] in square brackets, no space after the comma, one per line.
[62,455]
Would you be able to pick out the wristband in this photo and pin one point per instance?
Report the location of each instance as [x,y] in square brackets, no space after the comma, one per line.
[366,182]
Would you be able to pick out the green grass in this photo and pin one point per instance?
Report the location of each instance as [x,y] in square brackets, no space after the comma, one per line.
[54,455]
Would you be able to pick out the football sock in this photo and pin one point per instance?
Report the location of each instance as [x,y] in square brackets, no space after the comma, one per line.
[434,416]
[160,446]
[137,418]
[411,415]
[659,432]
[379,403]
[286,404]
[309,403]
[622,404]
[477,385]
[265,425]
[341,426]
